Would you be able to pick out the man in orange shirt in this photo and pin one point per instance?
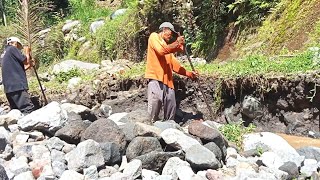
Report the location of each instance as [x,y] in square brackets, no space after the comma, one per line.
[160,64]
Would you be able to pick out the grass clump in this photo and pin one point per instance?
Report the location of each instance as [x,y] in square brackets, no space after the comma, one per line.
[235,132]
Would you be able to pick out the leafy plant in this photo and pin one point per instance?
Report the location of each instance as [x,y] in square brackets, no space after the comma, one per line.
[65,76]
[234,132]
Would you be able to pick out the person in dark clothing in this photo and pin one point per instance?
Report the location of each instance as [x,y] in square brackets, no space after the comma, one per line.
[14,79]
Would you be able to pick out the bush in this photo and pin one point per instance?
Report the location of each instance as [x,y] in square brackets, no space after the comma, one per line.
[65,76]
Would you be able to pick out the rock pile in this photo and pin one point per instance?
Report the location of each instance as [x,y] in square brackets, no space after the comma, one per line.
[71,142]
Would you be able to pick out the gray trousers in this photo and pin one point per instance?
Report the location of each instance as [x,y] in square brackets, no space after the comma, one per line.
[161,95]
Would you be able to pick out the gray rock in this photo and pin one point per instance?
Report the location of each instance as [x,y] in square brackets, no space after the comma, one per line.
[137,116]
[133,169]
[185,172]
[178,139]
[55,143]
[25,176]
[57,156]
[23,150]
[71,175]
[72,131]
[201,158]
[163,125]
[156,160]
[104,130]
[251,107]
[58,168]
[41,160]
[3,173]
[164,177]
[271,160]
[132,130]
[107,172]
[117,13]
[10,118]
[96,25]
[4,139]
[116,117]
[18,165]
[7,153]
[68,147]
[68,65]
[275,144]
[172,165]
[91,173]
[69,26]
[111,153]
[149,175]
[142,145]
[83,111]
[105,110]
[309,167]
[291,168]
[310,152]
[215,149]
[51,118]
[86,154]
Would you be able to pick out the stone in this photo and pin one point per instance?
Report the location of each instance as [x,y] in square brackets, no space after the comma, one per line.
[215,149]
[276,173]
[86,154]
[68,147]
[58,168]
[214,175]
[104,130]
[172,165]
[107,172]
[57,156]
[69,26]
[164,177]
[96,25]
[4,139]
[156,160]
[204,132]
[83,111]
[163,125]
[72,131]
[133,169]
[137,116]
[201,158]
[271,160]
[149,175]
[24,176]
[55,143]
[309,167]
[117,117]
[142,145]
[117,13]
[91,173]
[310,152]
[10,118]
[106,110]
[51,117]
[275,144]
[178,139]
[71,175]
[111,153]
[132,130]
[3,173]
[185,172]
[41,162]
[18,165]
[291,168]
[74,83]
[68,65]
[251,107]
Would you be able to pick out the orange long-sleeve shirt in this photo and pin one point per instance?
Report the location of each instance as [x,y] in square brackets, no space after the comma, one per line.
[161,62]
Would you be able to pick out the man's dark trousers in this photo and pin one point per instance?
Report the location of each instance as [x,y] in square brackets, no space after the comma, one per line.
[20,100]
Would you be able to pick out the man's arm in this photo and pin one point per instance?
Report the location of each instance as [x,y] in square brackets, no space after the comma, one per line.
[176,66]
[27,61]
[161,48]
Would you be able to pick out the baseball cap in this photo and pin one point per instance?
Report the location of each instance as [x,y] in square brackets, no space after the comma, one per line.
[13,39]
[168,25]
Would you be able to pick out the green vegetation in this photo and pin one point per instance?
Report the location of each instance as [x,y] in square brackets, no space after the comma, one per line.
[65,76]
[235,132]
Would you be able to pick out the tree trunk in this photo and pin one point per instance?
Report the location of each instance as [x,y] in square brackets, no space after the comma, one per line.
[3,13]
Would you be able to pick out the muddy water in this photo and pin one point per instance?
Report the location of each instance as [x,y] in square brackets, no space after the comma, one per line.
[298,142]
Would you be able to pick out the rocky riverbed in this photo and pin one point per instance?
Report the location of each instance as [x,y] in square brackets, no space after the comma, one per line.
[72,142]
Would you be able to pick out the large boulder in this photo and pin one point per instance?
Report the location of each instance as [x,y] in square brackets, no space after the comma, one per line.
[49,118]
[10,118]
[104,130]
[86,154]
[201,158]
[310,152]
[83,111]
[3,173]
[111,153]
[142,145]
[72,131]
[172,165]
[132,130]
[68,65]
[274,143]
[177,139]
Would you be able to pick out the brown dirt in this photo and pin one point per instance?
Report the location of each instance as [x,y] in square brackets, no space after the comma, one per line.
[299,142]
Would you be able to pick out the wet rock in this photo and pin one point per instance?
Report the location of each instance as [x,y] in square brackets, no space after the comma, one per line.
[71,175]
[91,173]
[58,168]
[142,145]
[69,26]
[25,176]
[96,25]
[156,160]
[72,131]
[215,149]
[275,144]
[201,158]
[178,139]
[3,173]
[111,153]
[309,167]
[163,125]
[148,174]
[172,165]
[291,168]
[84,112]
[104,130]
[86,154]
[133,169]
[310,152]
[132,130]
[68,65]
[51,117]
